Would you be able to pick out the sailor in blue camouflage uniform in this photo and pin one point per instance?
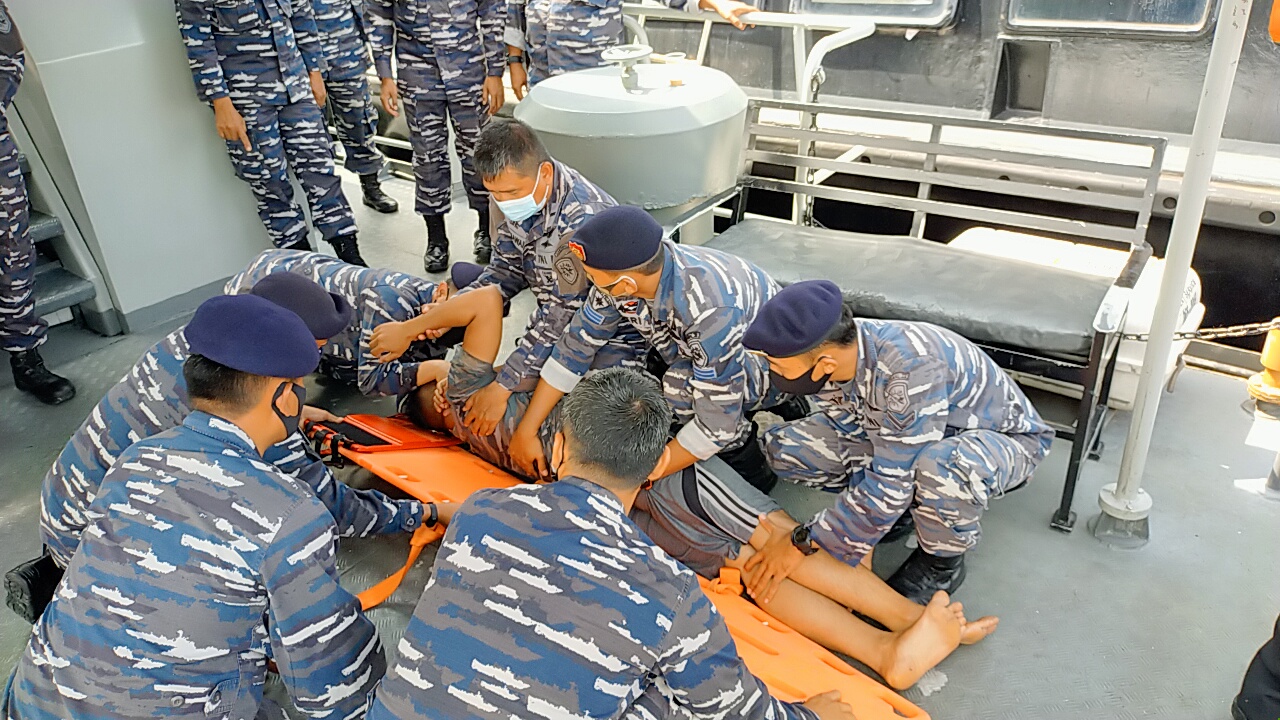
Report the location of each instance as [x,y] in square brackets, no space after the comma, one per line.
[378,296]
[203,561]
[448,67]
[916,418]
[259,64]
[153,398]
[547,601]
[543,202]
[21,330]
[553,37]
[343,34]
[692,305]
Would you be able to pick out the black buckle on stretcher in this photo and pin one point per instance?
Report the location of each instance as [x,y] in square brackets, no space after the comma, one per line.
[328,445]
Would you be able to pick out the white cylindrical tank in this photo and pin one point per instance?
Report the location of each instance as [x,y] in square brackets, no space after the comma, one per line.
[663,138]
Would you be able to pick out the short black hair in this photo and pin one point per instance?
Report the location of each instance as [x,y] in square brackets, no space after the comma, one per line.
[214,382]
[617,422]
[845,333]
[506,143]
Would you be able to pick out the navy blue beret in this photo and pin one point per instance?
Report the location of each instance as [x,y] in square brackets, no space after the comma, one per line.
[796,320]
[617,238]
[253,335]
[326,314]
[463,274]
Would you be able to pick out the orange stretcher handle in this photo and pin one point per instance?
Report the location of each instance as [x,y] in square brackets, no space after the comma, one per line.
[379,593]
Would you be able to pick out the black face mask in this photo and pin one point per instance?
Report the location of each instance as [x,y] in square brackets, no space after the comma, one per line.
[290,422]
[802,385]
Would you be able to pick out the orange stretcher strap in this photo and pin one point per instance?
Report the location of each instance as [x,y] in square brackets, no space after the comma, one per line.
[792,666]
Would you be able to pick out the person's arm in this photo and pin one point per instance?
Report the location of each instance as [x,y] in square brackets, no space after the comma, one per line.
[195,22]
[505,268]
[730,10]
[357,513]
[382,41]
[708,679]
[866,511]
[326,650]
[492,23]
[380,305]
[718,382]
[307,36]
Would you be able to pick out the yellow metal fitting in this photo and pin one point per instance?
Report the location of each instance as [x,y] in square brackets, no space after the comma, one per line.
[1265,386]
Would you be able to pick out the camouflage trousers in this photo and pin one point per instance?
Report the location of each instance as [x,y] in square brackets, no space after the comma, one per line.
[284,138]
[20,328]
[356,123]
[954,478]
[428,101]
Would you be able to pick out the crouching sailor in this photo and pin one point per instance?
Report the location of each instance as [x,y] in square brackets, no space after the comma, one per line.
[202,561]
[916,417]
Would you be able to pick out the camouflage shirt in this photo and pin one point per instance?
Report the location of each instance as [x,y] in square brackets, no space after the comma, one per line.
[253,51]
[704,303]
[916,384]
[341,24]
[200,563]
[378,296]
[560,37]
[547,601]
[152,398]
[12,60]
[462,38]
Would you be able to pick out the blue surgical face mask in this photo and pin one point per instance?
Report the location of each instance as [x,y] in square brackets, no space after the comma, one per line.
[522,208]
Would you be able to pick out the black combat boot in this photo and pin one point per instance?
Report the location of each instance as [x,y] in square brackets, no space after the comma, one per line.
[437,257]
[794,409]
[923,574]
[749,461]
[300,244]
[347,250]
[374,197]
[30,375]
[483,243]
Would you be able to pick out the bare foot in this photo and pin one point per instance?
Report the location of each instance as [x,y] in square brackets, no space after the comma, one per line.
[924,644]
[972,632]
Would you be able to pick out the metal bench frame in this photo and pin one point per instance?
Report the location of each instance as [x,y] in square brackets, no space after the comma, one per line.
[1015,173]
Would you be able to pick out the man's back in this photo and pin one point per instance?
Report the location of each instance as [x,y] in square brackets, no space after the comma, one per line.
[193,543]
[546,601]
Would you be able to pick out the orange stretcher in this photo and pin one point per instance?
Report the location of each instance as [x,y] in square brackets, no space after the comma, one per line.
[793,667]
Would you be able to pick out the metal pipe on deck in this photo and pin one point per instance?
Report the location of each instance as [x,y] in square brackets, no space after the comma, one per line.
[1126,507]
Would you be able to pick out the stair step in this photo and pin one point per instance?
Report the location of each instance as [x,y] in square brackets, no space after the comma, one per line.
[57,288]
[44,227]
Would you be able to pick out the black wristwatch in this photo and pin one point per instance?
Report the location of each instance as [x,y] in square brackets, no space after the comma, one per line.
[434,518]
[515,59]
[800,538]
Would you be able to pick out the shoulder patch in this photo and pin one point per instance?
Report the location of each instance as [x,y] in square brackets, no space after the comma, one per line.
[896,399]
[698,355]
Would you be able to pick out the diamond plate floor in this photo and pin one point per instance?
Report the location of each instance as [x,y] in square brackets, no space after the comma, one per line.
[1086,632]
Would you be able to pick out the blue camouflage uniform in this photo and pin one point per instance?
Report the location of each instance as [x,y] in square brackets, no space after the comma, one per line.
[20,328]
[535,255]
[560,36]
[201,562]
[343,33]
[929,423]
[547,601]
[152,398]
[704,303]
[259,53]
[378,296]
[443,51]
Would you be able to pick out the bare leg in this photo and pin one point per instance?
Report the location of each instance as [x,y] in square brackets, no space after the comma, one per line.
[480,312]
[899,657]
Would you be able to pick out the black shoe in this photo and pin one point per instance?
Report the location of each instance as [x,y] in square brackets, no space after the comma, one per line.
[1236,712]
[436,258]
[374,197]
[483,246]
[749,462]
[347,250]
[30,375]
[301,244]
[793,409]
[923,574]
[906,525]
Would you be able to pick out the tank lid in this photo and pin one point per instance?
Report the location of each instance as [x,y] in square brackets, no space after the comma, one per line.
[668,98]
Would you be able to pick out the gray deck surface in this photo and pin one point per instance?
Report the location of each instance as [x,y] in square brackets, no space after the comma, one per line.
[1086,632]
